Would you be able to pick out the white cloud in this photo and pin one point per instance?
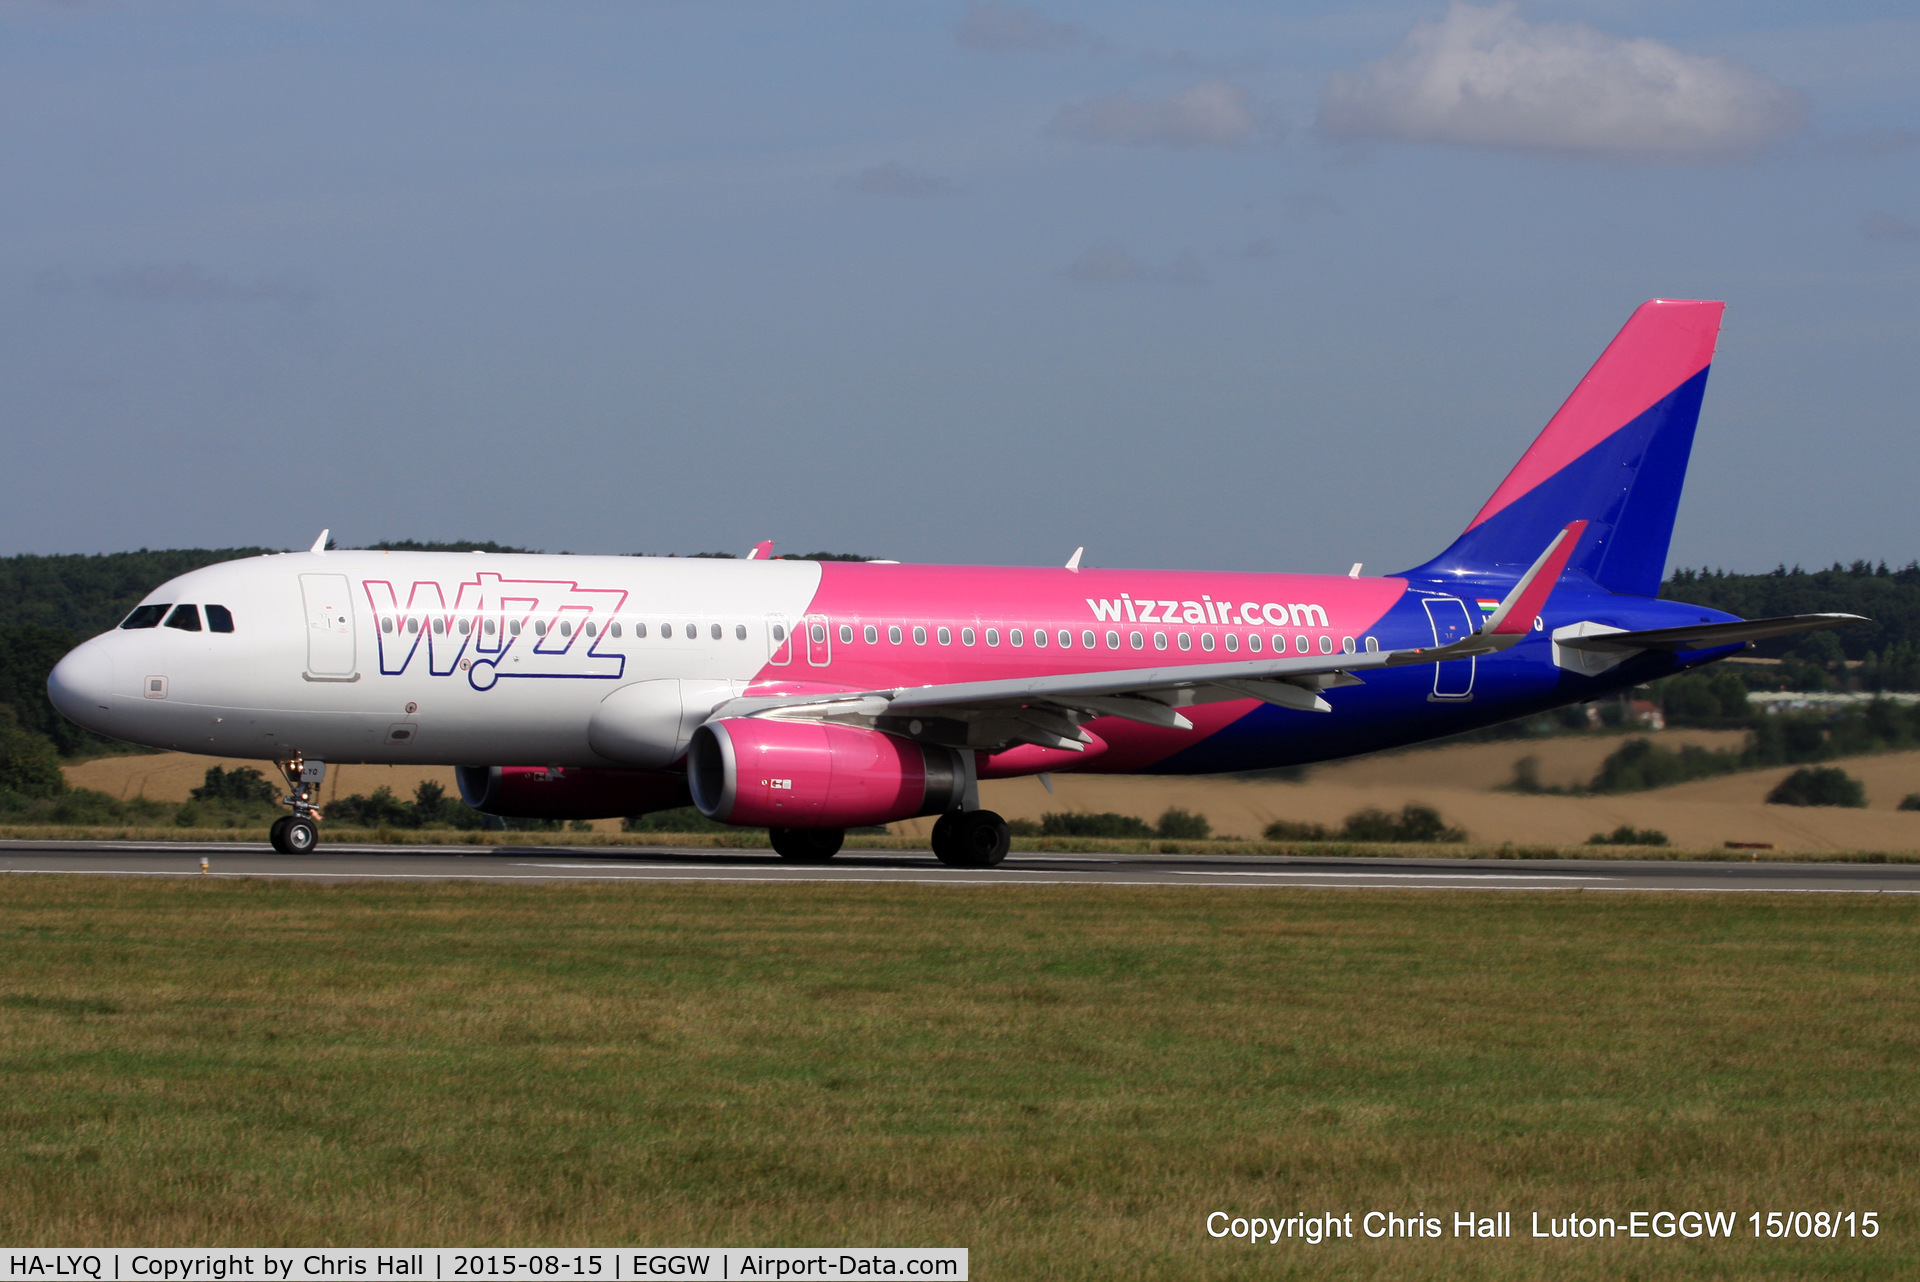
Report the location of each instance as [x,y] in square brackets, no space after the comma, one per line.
[1485,77]
[1212,113]
[895,179]
[998,27]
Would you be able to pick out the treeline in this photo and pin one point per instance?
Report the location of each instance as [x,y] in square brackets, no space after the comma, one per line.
[1789,739]
[81,595]
[1880,654]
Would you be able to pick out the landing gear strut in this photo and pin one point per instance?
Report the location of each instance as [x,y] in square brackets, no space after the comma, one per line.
[807,845]
[299,832]
[971,839]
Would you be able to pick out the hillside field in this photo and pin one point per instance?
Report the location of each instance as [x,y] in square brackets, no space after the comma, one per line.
[1465,782]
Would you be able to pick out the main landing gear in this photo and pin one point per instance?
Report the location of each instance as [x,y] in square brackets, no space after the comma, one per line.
[971,839]
[299,832]
[807,845]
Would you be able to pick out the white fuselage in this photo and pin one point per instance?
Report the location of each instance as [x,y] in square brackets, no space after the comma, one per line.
[429,657]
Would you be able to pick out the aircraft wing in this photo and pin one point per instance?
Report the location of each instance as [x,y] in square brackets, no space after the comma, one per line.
[1049,710]
[1708,636]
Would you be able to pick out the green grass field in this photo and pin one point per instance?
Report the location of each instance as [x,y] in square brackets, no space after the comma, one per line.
[1065,1080]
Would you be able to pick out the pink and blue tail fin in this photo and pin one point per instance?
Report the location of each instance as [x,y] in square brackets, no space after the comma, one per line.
[1615,456]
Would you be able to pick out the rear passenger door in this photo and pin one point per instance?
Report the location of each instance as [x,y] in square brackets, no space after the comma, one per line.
[1451,622]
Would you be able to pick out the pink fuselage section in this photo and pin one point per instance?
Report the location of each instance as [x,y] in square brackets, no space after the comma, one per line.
[875,626]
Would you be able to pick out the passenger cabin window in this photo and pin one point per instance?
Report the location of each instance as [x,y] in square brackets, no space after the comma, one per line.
[846,634]
[739,632]
[946,636]
[872,635]
[146,616]
[919,636]
[713,630]
[893,634]
[220,619]
[185,617]
[640,632]
[966,636]
[993,636]
[614,628]
[1040,636]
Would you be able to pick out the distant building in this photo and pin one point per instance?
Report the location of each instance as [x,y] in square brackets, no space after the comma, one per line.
[1645,713]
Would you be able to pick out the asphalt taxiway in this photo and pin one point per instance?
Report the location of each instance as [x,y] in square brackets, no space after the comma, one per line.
[644,863]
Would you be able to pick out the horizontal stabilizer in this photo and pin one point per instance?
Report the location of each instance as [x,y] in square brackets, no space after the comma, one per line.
[1709,636]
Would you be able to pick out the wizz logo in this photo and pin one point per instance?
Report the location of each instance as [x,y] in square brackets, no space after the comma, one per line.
[496,627]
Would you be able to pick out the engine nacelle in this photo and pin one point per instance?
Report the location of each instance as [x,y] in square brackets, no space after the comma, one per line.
[535,792]
[759,771]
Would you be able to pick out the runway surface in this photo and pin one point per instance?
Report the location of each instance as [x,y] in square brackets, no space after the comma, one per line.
[576,863]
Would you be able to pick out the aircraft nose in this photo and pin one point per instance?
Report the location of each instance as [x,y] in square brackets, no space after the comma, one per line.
[81,685]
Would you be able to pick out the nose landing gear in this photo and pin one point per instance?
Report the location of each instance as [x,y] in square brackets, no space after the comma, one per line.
[299,832]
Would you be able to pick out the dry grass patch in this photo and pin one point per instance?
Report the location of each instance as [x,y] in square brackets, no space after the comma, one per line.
[1065,1080]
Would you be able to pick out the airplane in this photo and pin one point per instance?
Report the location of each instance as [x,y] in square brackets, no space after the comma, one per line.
[810,697]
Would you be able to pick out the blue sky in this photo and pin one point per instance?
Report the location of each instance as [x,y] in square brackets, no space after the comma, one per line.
[1200,284]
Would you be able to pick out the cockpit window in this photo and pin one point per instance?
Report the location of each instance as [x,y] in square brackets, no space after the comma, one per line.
[185,617]
[146,616]
[219,619]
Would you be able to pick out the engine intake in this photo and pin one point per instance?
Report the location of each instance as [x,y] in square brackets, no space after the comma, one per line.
[535,792]
[811,774]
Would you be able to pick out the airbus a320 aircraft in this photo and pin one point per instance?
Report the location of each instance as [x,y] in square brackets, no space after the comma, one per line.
[809,697]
